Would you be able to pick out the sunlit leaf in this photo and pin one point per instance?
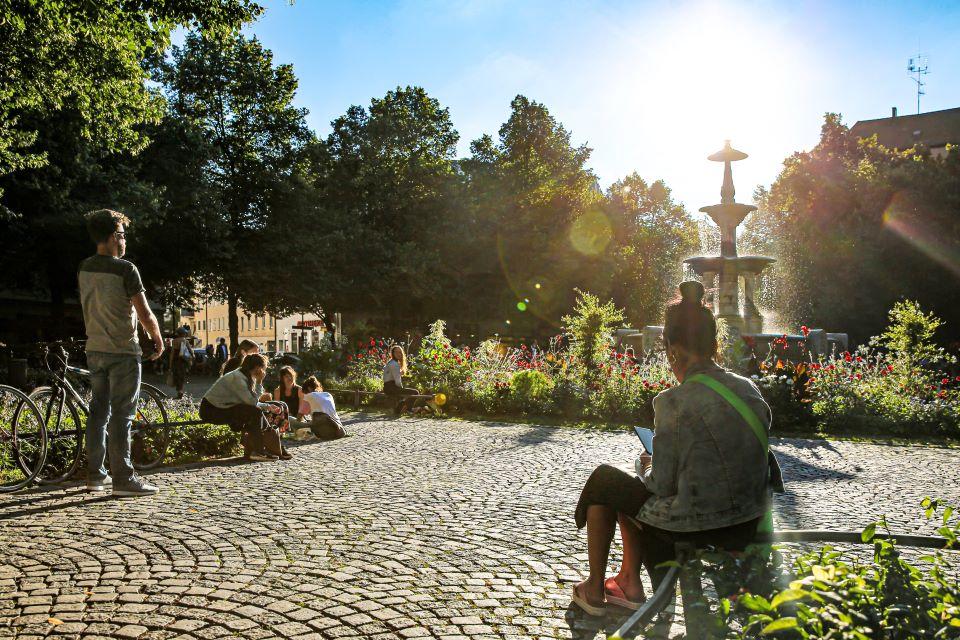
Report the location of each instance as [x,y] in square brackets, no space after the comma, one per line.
[779,625]
[787,596]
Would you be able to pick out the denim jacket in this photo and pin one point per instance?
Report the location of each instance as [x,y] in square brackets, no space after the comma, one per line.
[709,468]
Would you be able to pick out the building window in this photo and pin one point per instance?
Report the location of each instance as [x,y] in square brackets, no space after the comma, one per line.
[271,322]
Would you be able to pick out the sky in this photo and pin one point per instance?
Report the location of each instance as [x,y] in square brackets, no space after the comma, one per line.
[652,87]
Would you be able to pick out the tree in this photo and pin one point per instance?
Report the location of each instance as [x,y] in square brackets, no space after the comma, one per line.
[652,236]
[228,90]
[388,186]
[90,59]
[526,192]
[840,216]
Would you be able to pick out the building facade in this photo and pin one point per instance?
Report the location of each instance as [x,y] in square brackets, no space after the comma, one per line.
[209,322]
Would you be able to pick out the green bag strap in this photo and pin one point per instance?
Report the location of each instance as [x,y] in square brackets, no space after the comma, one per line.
[748,414]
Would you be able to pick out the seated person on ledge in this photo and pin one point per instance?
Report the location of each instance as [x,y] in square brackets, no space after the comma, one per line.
[324,422]
[237,399]
[706,482]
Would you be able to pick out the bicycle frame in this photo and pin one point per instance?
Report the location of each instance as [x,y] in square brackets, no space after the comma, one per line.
[62,387]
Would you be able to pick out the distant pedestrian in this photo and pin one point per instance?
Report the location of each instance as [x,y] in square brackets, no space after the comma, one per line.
[181,360]
[223,354]
[112,298]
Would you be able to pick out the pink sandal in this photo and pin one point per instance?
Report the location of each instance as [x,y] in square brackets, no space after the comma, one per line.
[615,595]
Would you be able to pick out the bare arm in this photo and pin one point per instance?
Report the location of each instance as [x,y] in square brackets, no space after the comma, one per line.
[149,323]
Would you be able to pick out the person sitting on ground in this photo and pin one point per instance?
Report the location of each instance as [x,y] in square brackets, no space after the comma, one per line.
[235,399]
[707,481]
[246,348]
[324,422]
[393,380]
[291,394]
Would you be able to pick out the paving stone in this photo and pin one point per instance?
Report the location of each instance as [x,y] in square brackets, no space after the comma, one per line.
[406,529]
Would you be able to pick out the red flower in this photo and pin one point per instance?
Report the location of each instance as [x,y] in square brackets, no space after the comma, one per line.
[805,331]
[890,370]
[349,358]
[945,381]
[859,359]
[847,356]
[373,342]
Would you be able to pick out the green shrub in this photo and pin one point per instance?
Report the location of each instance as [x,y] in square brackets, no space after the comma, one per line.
[530,392]
[827,595]
[590,330]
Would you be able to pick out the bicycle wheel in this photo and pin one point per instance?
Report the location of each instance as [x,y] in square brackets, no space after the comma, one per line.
[64,434]
[23,440]
[150,434]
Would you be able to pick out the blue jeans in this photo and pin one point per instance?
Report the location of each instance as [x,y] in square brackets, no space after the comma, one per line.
[115,379]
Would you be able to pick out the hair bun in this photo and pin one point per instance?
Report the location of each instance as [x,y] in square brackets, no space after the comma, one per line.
[692,292]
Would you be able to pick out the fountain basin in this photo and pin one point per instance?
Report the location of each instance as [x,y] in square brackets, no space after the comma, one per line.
[724,264]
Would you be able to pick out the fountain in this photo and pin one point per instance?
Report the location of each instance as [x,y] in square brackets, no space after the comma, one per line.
[721,276]
[723,273]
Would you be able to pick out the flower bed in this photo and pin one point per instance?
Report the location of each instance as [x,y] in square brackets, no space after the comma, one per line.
[900,384]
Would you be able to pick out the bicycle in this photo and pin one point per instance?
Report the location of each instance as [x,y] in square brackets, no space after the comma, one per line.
[23,440]
[61,407]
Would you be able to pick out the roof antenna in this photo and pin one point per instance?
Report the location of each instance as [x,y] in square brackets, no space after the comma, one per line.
[919,67]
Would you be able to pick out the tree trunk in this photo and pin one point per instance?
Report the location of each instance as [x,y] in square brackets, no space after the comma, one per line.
[328,325]
[233,320]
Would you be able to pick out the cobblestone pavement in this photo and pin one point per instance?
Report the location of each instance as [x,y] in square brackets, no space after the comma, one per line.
[406,529]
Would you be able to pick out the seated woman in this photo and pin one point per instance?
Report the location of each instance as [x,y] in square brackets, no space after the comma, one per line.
[707,481]
[324,422]
[235,400]
[393,380]
[291,394]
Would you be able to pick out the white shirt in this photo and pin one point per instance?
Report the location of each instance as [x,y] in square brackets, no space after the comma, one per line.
[391,371]
[322,402]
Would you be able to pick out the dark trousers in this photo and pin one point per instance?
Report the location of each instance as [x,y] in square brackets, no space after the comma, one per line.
[391,388]
[248,420]
[326,428]
[625,493]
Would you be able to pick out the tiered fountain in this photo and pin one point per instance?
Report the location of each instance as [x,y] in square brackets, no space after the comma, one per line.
[722,274]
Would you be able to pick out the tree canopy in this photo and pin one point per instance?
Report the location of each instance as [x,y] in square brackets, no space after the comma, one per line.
[857,227]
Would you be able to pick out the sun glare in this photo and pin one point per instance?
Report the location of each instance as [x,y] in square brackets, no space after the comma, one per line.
[713,72]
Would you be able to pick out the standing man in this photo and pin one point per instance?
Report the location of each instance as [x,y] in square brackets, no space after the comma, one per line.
[112,297]
[222,354]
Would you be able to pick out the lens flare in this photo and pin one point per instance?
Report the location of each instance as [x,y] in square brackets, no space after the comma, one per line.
[591,233]
[930,241]
[521,306]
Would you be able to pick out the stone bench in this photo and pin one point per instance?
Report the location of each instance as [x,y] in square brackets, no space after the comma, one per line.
[357,395]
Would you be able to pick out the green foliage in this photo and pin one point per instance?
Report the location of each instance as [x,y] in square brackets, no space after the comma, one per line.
[90,62]
[189,444]
[652,235]
[909,336]
[236,111]
[839,215]
[590,330]
[826,595]
[530,391]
